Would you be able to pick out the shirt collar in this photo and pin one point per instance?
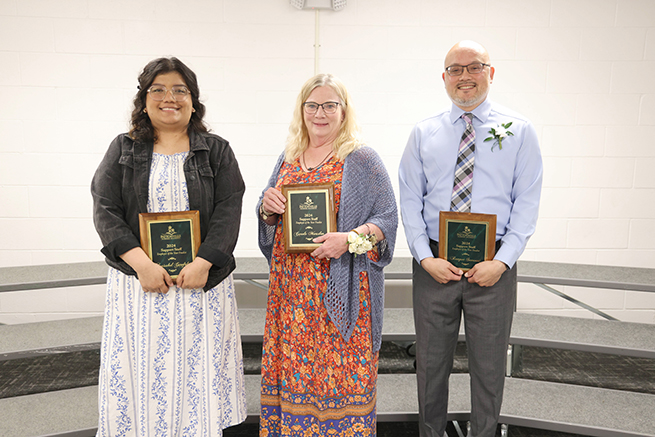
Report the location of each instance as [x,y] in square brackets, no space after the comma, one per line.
[481,112]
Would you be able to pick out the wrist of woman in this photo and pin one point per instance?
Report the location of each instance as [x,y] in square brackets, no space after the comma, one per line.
[364,229]
[202,262]
[137,259]
[263,213]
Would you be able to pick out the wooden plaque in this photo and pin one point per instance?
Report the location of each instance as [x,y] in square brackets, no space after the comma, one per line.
[309,213]
[170,239]
[466,239]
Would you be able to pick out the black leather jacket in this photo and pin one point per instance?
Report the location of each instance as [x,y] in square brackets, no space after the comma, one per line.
[214,183]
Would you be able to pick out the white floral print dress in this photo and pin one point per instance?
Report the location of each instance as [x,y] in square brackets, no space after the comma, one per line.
[171,364]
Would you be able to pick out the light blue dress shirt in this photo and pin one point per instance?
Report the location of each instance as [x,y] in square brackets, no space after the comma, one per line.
[506,182]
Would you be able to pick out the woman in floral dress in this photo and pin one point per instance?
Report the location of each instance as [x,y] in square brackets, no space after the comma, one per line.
[171,360]
[324,315]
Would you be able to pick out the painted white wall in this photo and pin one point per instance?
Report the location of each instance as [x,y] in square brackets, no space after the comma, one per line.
[580,69]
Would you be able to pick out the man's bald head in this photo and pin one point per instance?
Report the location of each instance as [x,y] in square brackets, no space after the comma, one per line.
[467,46]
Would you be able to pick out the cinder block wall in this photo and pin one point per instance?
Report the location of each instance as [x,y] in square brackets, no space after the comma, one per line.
[580,69]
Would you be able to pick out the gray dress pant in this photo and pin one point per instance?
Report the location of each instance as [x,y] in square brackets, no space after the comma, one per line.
[488,312]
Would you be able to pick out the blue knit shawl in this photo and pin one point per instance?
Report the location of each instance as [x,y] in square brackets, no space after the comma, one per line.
[366,197]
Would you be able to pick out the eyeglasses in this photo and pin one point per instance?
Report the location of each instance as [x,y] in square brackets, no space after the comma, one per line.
[328,107]
[474,68]
[159,92]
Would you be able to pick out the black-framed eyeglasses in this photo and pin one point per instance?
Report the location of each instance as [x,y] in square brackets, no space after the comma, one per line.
[159,92]
[474,68]
[328,107]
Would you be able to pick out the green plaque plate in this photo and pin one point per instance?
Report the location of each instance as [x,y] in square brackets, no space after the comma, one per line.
[309,214]
[466,239]
[170,239]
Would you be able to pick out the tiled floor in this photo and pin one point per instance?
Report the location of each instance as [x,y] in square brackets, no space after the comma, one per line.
[78,369]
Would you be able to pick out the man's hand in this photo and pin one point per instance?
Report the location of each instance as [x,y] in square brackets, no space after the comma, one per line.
[441,270]
[486,273]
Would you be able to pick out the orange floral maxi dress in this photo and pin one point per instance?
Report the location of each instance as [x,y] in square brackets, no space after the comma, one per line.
[313,382]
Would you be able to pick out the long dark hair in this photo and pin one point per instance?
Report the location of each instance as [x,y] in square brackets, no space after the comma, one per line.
[141,128]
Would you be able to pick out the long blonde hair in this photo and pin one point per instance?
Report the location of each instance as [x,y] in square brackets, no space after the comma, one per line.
[347,140]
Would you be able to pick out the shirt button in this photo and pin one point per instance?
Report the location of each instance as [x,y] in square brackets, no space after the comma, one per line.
[193,177]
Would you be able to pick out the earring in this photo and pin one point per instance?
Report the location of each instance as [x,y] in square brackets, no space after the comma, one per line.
[145,111]
[194,109]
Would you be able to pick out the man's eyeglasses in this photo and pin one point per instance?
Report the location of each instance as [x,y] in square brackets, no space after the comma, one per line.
[328,107]
[474,68]
[159,92]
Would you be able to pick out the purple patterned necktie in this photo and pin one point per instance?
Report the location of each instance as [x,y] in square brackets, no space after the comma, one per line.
[463,186]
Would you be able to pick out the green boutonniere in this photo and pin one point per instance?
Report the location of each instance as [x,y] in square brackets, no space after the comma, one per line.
[498,133]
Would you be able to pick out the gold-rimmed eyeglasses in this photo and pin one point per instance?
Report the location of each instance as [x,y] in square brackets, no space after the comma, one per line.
[159,92]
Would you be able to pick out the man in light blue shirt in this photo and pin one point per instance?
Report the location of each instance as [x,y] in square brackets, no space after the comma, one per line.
[506,181]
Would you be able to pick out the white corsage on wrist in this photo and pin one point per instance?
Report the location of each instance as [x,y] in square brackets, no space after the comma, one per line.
[360,243]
